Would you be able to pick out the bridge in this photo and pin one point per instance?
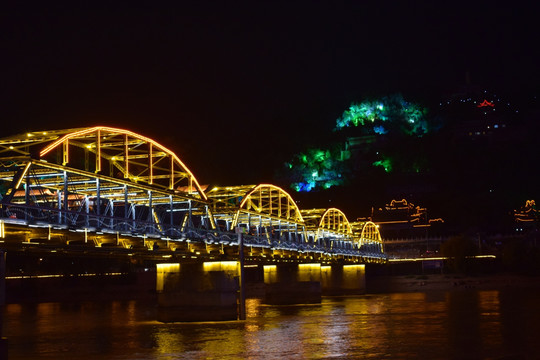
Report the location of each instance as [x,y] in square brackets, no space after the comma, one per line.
[103,190]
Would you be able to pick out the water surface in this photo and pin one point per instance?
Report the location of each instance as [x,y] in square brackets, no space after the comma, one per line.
[464,324]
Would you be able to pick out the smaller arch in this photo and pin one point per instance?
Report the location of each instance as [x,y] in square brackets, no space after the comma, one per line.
[262,210]
[335,220]
[328,225]
[272,201]
[370,234]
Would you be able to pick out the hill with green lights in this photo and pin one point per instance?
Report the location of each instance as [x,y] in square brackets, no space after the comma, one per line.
[471,158]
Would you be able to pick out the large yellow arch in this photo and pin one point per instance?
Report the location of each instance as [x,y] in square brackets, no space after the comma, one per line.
[65,175]
[133,156]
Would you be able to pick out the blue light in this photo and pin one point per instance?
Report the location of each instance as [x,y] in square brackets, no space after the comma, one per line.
[379,130]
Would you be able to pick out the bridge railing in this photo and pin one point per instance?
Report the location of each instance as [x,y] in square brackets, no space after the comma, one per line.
[39,215]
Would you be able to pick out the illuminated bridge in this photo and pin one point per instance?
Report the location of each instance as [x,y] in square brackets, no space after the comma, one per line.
[104,190]
[104,186]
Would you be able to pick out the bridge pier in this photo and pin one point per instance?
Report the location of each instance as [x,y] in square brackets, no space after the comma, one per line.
[2,278]
[198,291]
[3,340]
[292,283]
[343,279]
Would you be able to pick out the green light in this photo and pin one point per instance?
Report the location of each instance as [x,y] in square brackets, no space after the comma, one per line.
[385,163]
[394,109]
[368,127]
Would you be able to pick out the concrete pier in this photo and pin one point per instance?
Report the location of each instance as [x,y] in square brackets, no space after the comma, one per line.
[3,340]
[292,284]
[198,291]
[343,279]
[2,278]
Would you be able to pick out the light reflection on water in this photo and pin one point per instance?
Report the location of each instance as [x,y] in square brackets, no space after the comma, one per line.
[452,325]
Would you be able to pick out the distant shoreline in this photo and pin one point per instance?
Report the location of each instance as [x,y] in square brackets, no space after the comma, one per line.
[449,282]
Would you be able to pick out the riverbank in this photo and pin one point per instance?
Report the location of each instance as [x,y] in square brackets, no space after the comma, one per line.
[423,283]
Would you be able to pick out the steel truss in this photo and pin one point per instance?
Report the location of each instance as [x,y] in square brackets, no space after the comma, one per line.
[103,179]
[269,217]
[54,194]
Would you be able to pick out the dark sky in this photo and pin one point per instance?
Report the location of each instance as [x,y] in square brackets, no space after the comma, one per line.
[235,88]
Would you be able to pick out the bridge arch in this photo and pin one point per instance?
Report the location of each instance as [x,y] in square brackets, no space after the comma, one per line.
[327,225]
[271,201]
[262,209]
[335,220]
[371,237]
[128,155]
[61,177]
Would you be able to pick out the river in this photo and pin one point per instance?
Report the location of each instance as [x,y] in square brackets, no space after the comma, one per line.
[464,324]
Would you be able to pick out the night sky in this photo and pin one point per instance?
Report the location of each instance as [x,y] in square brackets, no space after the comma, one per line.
[235,89]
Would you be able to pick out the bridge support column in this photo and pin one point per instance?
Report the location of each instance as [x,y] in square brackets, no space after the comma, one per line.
[2,278]
[3,340]
[343,279]
[197,291]
[292,283]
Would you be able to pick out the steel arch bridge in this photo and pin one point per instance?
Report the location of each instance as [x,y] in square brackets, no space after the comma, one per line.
[370,237]
[328,223]
[103,180]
